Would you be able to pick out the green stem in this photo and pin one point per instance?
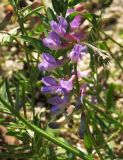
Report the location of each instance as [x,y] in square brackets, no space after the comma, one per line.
[104,145]
[23,97]
[104,114]
[112,39]
[14,156]
[76,79]
[91,136]
[110,52]
[23,31]
[46,135]
[112,55]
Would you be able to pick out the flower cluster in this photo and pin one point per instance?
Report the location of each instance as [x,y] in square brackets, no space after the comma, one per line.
[63,36]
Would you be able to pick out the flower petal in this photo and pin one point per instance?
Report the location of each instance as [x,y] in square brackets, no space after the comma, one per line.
[76,22]
[67,85]
[43,66]
[55,100]
[60,27]
[49,89]
[79,35]
[62,24]
[54,36]
[49,81]
[52,41]
[77,52]
[46,57]
[54,25]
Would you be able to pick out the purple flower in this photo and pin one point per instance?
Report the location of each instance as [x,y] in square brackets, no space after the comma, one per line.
[49,81]
[77,52]
[52,41]
[79,35]
[55,100]
[49,62]
[67,85]
[76,22]
[59,104]
[60,27]
[51,85]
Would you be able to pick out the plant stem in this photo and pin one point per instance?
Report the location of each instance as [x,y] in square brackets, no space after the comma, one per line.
[16,156]
[76,79]
[112,39]
[23,31]
[90,134]
[23,95]
[92,139]
[104,145]
[112,55]
[98,110]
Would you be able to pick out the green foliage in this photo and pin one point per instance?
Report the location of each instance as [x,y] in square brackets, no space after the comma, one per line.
[18,94]
[75,2]
[60,6]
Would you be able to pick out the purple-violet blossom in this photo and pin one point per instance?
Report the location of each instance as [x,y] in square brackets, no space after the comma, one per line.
[76,31]
[52,87]
[59,30]
[77,52]
[49,62]
[67,84]
[52,41]
[61,90]
[60,27]
[59,104]
[77,21]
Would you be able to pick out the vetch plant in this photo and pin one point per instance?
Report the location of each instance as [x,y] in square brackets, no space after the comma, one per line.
[54,49]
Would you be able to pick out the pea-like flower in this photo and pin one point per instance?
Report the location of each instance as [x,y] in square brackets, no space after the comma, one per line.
[77,52]
[77,20]
[67,84]
[49,62]
[59,27]
[59,104]
[52,87]
[52,41]
[61,91]
[59,33]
